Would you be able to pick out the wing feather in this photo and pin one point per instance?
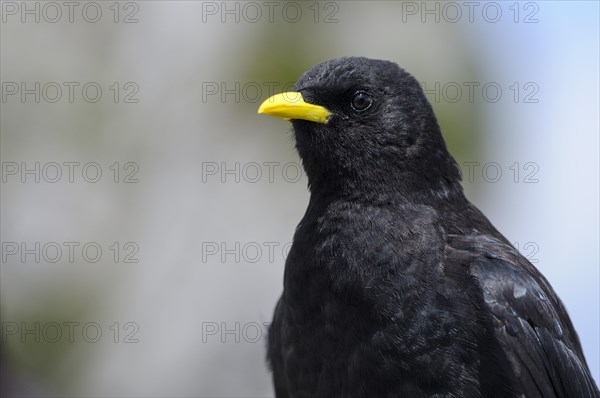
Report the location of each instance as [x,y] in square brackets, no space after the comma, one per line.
[529,321]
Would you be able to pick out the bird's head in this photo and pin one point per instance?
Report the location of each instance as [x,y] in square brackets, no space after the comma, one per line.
[362,124]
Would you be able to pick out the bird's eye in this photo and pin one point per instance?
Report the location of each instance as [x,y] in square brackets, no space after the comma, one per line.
[361,101]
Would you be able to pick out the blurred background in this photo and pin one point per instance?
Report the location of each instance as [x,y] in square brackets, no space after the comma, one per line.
[146,210]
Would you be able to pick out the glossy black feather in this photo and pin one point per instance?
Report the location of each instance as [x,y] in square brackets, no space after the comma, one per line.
[396,286]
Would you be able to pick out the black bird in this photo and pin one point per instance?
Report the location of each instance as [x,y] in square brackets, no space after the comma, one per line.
[396,285]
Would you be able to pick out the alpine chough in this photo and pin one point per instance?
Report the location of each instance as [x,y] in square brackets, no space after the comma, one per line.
[396,285]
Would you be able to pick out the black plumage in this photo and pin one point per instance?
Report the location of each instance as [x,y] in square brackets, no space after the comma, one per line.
[396,285]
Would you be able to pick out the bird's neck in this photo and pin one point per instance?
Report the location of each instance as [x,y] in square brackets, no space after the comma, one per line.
[388,187]
[425,174]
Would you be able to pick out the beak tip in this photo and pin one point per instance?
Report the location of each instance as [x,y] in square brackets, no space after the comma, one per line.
[263,108]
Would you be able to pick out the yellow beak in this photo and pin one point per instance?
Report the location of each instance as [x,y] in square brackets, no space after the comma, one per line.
[291,105]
